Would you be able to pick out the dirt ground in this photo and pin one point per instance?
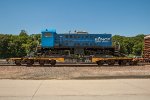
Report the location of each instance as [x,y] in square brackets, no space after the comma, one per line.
[104,72]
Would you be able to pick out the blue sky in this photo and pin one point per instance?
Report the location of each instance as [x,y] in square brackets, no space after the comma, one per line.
[123,17]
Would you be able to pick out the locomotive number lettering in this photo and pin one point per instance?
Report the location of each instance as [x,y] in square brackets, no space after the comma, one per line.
[99,39]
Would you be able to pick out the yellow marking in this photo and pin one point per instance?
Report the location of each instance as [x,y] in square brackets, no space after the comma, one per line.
[58,59]
[96,59]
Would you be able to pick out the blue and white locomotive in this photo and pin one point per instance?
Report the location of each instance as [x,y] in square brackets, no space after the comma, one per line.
[50,39]
[77,43]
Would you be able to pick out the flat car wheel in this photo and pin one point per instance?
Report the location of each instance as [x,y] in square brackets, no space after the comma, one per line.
[18,62]
[99,63]
[122,62]
[53,62]
[111,62]
[42,62]
[30,62]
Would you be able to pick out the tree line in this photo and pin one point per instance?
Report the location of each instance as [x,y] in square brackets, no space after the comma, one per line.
[131,46]
[18,45]
[22,44]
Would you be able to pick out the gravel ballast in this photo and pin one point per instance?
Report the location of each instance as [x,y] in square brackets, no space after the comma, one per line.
[104,72]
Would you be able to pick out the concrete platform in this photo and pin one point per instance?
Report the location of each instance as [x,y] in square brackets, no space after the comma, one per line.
[115,89]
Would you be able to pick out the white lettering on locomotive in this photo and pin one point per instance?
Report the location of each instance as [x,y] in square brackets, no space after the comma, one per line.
[99,39]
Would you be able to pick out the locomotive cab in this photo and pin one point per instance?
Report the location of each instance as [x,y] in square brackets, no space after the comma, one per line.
[48,38]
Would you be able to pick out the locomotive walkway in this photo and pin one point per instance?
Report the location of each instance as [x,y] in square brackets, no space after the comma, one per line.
[115,89]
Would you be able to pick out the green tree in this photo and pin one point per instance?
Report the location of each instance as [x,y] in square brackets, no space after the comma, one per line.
[23,33]
[130,45]
[4,44]
[137,49]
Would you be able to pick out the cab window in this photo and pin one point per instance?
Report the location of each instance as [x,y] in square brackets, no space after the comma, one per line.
[47,34]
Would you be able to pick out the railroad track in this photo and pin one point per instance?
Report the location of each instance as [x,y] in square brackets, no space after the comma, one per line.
[37,65]
[4,63]
[73,65]
[49,65]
